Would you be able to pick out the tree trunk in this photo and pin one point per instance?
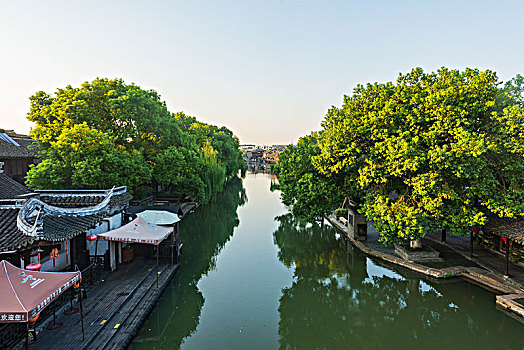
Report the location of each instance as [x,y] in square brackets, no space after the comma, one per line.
[415,243]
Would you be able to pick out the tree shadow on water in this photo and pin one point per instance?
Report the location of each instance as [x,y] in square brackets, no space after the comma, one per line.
[340,299]
[203,233]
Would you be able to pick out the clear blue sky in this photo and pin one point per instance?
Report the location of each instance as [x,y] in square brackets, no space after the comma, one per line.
[268,70]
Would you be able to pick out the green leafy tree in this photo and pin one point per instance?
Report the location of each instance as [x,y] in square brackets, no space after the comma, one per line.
[310,193]
[135,118]
[106,133]
[83,156]
[433,150]
[221,139]
[181,168]
[514,89]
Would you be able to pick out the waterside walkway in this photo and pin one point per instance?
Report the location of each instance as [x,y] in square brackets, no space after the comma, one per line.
[484,268]
[113,310]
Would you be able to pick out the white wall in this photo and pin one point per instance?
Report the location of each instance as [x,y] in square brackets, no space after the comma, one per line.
[115,222]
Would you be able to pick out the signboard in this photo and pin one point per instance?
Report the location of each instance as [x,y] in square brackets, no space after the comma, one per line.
[31,335]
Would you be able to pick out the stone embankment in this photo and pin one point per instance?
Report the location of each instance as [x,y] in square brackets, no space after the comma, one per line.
[510,293]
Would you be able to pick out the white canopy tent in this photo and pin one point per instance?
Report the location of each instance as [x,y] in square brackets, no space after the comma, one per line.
[159,217]
[139,231]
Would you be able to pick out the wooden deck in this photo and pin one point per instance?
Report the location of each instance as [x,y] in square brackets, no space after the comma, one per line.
[113,311]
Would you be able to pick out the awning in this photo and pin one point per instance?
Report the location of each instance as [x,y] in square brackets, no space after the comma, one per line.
[138,231]
[25,293]
[159,217]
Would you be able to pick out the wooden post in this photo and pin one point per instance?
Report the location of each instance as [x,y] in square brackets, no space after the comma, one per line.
[27,335]
[173,244]
[443,237]
[96,248]
[157,265]
[81,310]
[506,272]
[471,243]
[177,241]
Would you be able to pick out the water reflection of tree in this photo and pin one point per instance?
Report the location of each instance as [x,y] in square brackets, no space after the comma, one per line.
[203,233]
[333,303]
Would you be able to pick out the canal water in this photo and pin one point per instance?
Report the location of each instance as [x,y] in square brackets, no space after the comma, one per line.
[253,278]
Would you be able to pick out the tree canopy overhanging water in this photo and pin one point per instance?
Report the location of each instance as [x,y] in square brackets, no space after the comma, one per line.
[253,277]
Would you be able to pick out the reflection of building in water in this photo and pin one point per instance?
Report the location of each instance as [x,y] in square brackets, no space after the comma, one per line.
[355,262]
[256,167]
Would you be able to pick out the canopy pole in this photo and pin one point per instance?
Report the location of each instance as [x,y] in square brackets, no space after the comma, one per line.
[54,325]
[177,241]
[27,335]
[173,244]
[96,249]
[157,265]
[72,310]
[81,311]
[471,243]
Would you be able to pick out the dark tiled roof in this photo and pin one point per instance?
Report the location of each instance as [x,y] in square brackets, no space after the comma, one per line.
[57,224]
[60,228]
[80,201]
[506,227]
[71,201]
[8,150]
[11,238]
[10,189]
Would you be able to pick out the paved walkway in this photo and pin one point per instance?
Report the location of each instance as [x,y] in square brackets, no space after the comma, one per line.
[113,310]
[486,259]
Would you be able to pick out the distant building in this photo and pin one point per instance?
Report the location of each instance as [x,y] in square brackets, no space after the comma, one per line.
[247,148]
[271,155]
[17,152]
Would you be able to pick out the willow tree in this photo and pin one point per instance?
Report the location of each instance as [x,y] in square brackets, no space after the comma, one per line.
[436,150]
[107,133]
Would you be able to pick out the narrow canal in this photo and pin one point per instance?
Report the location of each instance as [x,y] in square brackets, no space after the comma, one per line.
[252,278]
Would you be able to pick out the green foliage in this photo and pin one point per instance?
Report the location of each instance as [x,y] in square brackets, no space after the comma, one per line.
[107,133]
[83,156]
[220,139]
[514,90]
[433,150]
[310,194]
[181,168]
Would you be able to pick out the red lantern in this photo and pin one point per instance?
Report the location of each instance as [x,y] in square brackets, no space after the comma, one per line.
[91,238]
[476,231]
[34,318]
[54,254]
[33,267]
